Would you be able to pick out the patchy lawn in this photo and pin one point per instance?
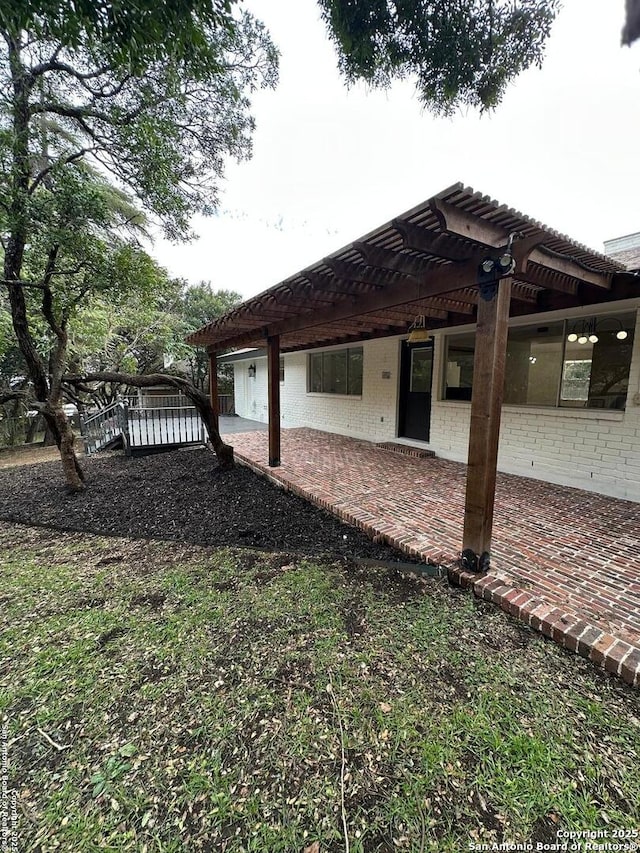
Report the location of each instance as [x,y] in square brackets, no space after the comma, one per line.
[162,696]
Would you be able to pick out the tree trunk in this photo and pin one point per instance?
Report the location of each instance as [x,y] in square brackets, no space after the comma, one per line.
[49,436]
[223,451]
[13,260]
[58,423]
[32,429]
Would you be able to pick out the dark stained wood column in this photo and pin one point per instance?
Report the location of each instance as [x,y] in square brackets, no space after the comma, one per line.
[486,405]
[273,381]
[213,384]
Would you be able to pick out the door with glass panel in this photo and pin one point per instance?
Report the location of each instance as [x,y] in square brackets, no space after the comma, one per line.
[416,374]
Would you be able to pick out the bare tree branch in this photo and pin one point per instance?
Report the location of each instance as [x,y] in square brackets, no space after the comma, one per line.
[10,396]
[54,64]
[62,161]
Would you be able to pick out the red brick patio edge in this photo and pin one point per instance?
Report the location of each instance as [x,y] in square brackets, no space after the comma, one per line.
[562,626]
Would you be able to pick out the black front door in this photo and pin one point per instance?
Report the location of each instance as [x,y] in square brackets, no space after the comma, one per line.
[415,390]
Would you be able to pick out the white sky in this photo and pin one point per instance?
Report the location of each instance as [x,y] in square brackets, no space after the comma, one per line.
[330,164]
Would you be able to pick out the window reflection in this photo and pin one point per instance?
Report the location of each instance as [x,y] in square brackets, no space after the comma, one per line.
[545,368]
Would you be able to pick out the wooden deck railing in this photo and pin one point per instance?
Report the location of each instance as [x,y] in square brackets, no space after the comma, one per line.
[140,422]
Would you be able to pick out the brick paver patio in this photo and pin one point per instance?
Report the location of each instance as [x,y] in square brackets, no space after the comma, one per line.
[565,560]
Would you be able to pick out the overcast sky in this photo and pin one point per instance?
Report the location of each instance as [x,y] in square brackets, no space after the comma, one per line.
[330,164]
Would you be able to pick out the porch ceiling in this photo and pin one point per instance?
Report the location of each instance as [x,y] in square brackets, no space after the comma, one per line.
[424,262]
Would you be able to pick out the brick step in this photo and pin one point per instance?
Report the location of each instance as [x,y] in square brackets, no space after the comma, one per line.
[406,450]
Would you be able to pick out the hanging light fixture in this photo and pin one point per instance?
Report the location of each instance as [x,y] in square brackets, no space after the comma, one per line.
[586,332]
[418,332]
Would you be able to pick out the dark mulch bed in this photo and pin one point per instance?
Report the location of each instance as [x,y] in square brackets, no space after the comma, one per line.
[181,496]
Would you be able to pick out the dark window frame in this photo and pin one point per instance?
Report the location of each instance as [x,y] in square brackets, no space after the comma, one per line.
[617,401]
[324,356]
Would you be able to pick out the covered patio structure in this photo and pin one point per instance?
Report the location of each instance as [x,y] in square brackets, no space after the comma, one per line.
[565,561]
[458,258]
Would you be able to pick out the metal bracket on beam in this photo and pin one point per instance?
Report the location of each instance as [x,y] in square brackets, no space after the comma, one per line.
[496,265]
[472,562]
[488,289]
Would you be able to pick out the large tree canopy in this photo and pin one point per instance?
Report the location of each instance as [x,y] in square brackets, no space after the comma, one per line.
[199,305]
[631,30]
[128,33]
[151,98]
[461,52]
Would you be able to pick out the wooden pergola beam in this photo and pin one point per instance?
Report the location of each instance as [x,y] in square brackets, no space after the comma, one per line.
[524,293]
[468,226]
[527,249]
[302,300]
[366,274]
[388,259]
[213,384]
[330,283]
[273,392]
[567,267]
[419,239]
[445,280]
[439,304]
[486,404]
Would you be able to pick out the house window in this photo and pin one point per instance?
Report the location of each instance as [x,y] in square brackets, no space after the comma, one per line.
[544,368]
[576,373]
[336,372]
[596,373]
[458,377]
[281,369]
[534,365]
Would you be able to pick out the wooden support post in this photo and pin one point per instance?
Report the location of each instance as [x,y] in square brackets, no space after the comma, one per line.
[213,385]
[486,404]
[273,381]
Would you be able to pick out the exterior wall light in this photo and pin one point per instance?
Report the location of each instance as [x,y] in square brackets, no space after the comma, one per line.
[506,263]
[251,370]
[496,267]
[493,268]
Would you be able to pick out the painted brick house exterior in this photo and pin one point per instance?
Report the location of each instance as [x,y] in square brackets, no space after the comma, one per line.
[591,448]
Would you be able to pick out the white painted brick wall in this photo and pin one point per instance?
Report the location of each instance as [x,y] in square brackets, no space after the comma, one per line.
[588,448]
[250,393]
[592,449]
[372,416]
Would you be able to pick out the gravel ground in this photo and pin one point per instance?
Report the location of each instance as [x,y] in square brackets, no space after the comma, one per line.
[181,496]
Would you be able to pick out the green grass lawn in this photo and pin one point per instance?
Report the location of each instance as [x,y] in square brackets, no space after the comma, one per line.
[162,697]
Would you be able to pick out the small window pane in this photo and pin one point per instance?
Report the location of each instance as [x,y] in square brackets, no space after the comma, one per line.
[315,372]
[610,365]
[596,372]
[458,378]
[576,375]
[421,364]
[534,365]
[334,366]
[355,372]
